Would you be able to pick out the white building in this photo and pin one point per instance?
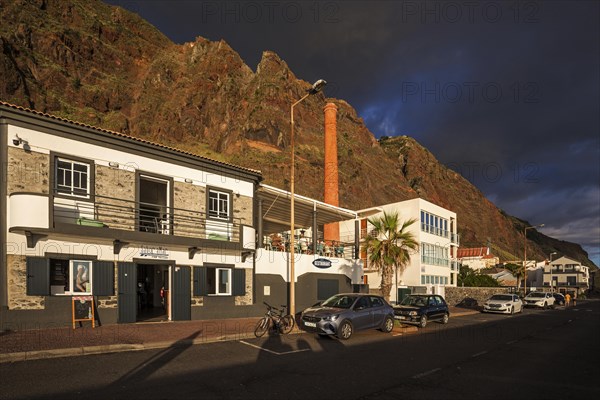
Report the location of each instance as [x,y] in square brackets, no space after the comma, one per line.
[435,229]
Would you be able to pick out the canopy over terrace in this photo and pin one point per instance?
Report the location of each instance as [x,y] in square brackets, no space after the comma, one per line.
[274,208]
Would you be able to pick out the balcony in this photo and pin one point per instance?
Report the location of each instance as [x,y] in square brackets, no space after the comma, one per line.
[455,239]
[126,220]
[442,262]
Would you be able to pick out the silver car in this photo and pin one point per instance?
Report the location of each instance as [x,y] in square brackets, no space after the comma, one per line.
[342,314]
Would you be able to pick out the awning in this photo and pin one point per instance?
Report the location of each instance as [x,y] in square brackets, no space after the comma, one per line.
[276,210]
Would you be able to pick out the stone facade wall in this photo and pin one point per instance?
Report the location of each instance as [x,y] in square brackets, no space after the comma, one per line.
[247,298]
[110,301]
[17,286]
[28,171]
[243,209]
[454,295]
[115,187]
[188,197]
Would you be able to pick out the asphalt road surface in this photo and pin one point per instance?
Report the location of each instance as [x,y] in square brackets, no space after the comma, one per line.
[539,354]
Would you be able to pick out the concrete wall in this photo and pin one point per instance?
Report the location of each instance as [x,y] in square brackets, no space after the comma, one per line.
[454,295]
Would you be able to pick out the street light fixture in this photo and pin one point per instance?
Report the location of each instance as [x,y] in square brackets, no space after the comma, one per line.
[316,88]
[551,273]
[525,256]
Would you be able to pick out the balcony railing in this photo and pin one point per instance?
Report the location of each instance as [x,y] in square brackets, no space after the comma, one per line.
[442,262]
[129,215]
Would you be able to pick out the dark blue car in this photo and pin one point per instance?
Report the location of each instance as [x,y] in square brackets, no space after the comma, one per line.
[418,309]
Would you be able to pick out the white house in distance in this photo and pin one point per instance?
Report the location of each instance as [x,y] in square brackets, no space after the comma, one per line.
[435,230]
[477,258]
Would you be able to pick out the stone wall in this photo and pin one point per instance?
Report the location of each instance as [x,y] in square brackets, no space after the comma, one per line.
[28,171]
[188,197]
[455,295]
[115,187]
[17,286]
[242,209]
[247,298]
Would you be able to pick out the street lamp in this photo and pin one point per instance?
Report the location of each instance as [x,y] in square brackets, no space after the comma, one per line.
[551,280]
[316,88]
[525,260]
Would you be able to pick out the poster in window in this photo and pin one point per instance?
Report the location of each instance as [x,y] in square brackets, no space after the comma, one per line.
[81,276]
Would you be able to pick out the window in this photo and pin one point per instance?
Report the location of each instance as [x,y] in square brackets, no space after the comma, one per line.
[70,277]
[59,276]
[376,302]
[219,281]
[571,280]
[72,177]
[218,204]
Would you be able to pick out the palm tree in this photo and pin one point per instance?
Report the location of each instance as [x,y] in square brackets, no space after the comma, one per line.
[389,247]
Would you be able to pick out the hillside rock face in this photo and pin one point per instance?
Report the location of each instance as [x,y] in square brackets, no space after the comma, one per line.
[104,66]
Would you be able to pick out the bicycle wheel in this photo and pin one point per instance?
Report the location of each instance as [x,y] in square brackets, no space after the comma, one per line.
[261,327]
[286,324]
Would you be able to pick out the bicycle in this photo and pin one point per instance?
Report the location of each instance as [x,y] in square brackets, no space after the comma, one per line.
[276,318]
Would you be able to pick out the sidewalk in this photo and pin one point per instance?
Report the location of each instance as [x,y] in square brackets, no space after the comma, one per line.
[66,342]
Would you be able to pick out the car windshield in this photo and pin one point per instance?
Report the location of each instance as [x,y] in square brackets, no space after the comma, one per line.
[414,301]
[339,301]
[502,297]
[536,295]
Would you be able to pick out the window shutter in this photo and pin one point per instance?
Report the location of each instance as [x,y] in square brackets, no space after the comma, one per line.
[200,287]
[103,282]
[239,282]
[38,276]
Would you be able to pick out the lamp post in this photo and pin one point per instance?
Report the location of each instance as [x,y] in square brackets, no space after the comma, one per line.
[316,88]
[551,280]
[525,256]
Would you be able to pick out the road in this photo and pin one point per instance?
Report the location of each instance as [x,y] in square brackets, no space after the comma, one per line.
[540,354]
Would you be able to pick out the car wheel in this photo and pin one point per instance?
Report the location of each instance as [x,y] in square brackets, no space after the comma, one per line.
[445,319]
[345,331]
[423,322]
[545,305]
[388,325]
[512,310]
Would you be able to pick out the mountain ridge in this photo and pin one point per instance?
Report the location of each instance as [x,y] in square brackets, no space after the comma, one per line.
[104,66]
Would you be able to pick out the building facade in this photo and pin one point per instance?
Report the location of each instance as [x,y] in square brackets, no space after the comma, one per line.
[566,275]
[435,265]
[144,229]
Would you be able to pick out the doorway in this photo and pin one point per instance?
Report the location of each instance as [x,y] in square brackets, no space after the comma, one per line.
[152,292]
[153,205]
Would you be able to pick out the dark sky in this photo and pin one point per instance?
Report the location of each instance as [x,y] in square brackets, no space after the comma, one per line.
[504,92]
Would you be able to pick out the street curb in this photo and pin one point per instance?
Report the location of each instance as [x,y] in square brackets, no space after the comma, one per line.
[118,348]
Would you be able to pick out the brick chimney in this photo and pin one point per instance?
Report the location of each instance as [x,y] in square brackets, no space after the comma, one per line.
[331,196]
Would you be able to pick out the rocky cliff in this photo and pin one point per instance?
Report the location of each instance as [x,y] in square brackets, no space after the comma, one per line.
[104,66]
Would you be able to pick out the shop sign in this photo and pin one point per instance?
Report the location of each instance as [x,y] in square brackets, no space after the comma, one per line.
[154,252]
[322,263]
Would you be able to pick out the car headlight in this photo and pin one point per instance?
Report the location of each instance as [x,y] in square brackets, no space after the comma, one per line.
[413,313]
[331,317]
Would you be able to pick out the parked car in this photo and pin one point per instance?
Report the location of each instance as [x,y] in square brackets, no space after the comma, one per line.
[343,314]
[539,299]
[559,299]
[418,309]
[503,303]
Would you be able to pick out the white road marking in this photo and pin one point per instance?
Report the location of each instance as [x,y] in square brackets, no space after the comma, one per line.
[479,354]
[397,334]
[273,352]
[512,341]
[422,374]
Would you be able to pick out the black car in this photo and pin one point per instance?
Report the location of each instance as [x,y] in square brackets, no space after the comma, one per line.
[559,299]
[418,309]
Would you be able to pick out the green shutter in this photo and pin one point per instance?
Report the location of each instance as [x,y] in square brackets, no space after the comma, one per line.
[200,286]
[103,278]
[239,281]
[38,276]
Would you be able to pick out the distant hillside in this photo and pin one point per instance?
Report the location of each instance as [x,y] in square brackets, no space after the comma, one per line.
[102,65]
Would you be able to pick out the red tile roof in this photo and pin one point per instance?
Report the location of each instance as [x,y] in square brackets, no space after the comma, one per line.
[472,252]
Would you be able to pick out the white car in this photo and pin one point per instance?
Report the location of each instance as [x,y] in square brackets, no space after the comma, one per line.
[539,299]
[503,303]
